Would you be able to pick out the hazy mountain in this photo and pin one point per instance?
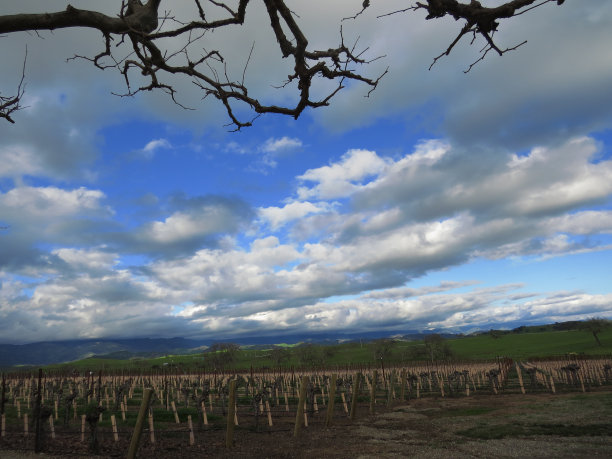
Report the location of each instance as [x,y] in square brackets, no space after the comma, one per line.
[44,353]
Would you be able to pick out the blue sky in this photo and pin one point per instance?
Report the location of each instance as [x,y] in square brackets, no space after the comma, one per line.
[443,201]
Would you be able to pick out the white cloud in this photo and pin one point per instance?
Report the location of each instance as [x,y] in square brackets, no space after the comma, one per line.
[83,259]
[19,160]
[153,146]
[49,202]
[276,217]
[343,178]
[276,145]
[205,221]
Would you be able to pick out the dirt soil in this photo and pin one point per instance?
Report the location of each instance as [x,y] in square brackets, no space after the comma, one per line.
[538,425]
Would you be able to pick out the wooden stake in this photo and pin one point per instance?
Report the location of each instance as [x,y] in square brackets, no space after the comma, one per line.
[552,384]
[332,401]
[204,416]
[520,378]
[144,406]
[390,389]
[581,382]
[52,427]
[344,403]
[83,416]
[299,417]
[176,417]
[114,424]
[231,414]
[356,388]
[191,437]
[373,392]
[151,427]
[269,413]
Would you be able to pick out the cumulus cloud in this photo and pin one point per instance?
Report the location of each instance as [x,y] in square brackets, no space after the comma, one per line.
[275,145]
[276,217]
[393,228]
[46,202]
[343,178]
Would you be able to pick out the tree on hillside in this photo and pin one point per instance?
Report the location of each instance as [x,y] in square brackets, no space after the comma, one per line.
[309,355]
[436,347]
[383,349]
[279,355]
[140,42]
[495,334]
[220,355]
[596,325]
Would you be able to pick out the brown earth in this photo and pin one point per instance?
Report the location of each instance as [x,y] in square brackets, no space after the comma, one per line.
[535,425]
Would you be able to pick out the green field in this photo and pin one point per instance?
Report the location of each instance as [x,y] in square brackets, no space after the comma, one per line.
[522,346]
[519,346]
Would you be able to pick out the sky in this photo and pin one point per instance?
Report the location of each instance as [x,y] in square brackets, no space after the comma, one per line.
[443,201]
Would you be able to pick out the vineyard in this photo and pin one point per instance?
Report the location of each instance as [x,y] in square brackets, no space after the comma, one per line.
[187,415]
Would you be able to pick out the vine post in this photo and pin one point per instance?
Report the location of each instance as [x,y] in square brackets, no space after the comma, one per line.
[231,414]
[373,391]
[332,400]
[299,417]
[356,389]
[144,406]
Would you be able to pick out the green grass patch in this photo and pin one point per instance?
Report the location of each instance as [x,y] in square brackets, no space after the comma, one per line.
[529,345]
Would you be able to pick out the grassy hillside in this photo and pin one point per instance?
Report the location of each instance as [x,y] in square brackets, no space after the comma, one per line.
[529,345]
[519,346]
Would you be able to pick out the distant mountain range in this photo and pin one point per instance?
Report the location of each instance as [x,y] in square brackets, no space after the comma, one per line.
[45,353]
[49,352]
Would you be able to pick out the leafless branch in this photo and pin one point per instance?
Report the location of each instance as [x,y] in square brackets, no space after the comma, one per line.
[11,104]
[479,20]
[141,27]
[364,6]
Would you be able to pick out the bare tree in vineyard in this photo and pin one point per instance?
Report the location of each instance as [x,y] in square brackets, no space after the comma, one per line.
[595,326]
[383,349]
[279,355]
[436,347]
[139,41]
[220,355]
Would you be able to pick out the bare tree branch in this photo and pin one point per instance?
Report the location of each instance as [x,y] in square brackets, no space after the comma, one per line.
[11,104]
[479,20]
[141,25]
